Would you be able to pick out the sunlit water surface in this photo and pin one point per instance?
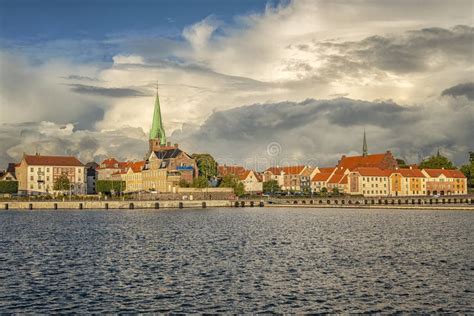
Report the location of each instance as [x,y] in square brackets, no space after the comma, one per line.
[236,260]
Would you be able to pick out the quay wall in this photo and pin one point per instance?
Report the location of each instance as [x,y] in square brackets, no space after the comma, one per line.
[466,202]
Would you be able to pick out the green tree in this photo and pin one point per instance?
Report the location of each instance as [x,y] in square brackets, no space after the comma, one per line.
[109,186]
[62,183]
[184,184]
[468,171]
[335,191]
[437,162]
[200,182]
[324,191]
[271,186]
[402,163]
[231,181]
[8,187]
[206,164]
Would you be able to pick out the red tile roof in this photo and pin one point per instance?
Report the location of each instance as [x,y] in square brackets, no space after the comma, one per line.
[410,173]
[336,178]
[324,176]
[361,161]
[326,170]
[293,170]
[39,160]
[137,166]
[369,171]
[344,180]
[109,163]
[274,170]
[225,170]
[243,175]
[446,172]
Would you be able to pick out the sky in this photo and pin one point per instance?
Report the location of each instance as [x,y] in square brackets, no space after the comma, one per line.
[252,82]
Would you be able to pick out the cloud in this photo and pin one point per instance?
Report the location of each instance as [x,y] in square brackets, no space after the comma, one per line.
[320,131]
[108,92]
[49,138]
[462,89]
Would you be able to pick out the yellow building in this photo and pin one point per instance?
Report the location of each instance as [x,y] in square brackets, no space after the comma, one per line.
[368,181]
[407,182]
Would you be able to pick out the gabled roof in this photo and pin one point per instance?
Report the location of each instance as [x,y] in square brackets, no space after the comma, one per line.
[336,178]
[448,173]
[109,163]
[326,170]
[373,172]
[225,170]
[136,166]
[353,162]
[243,175]
[308,171]
[323,176]
[292,170]
[409,173]
[344,180]
[38,160]
[274,170]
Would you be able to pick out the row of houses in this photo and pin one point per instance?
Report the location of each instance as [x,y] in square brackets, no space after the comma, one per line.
[366,175]
[168,166]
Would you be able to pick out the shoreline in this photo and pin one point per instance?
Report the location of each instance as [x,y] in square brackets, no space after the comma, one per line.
[468,205]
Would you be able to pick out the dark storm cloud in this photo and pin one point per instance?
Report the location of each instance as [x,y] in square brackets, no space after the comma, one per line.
[108,92]
[462,89]
[412,51]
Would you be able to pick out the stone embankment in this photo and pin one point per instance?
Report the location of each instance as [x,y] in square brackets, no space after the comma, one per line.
[451,202]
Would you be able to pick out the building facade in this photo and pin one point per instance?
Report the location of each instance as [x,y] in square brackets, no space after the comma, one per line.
[38,174]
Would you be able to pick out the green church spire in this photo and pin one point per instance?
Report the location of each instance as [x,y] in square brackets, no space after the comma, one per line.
[157,131]
[364,146]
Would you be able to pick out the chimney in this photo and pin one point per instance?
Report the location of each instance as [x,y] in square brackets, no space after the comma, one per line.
[411,167]
[176,145]
[168,144]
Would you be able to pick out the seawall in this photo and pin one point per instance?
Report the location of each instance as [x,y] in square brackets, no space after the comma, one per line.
[458,203]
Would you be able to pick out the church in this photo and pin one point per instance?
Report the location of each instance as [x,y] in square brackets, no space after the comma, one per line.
[164,156]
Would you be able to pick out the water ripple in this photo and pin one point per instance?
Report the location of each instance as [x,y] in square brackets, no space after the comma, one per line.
[237,261]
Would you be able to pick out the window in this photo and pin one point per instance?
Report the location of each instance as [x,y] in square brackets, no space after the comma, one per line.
[47,169]
[47,178]
[31,178]
[32,169]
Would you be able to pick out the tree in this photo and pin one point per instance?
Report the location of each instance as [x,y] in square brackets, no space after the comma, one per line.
[200,182]
[62,183]
[109,186]
[468,171]
[231,181]
[8,187]
[335,191]
[437,162]
[401,163]
[206,164]
[271,186]
[324,191]
[184,184]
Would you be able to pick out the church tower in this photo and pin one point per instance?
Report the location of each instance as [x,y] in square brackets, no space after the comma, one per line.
[364,146]
[157,133]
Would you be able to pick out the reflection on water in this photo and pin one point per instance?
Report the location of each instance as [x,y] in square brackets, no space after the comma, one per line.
[236,260]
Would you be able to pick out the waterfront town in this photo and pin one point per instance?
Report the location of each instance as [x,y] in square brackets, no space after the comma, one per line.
[166,169]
